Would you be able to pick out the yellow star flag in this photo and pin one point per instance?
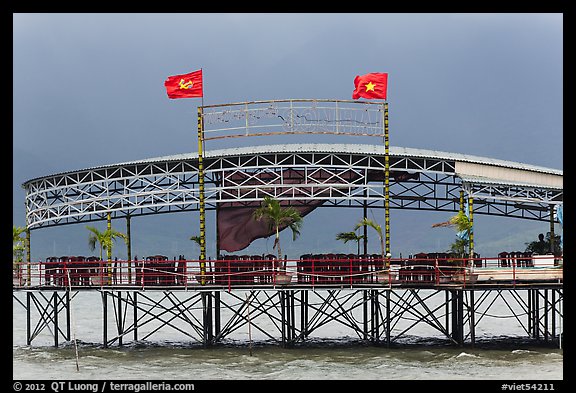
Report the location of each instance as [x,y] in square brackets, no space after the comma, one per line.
[373,85]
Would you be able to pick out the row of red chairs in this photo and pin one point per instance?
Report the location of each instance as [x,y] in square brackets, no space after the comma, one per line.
[79,269]
[334,268]
[158,270]
[244,269]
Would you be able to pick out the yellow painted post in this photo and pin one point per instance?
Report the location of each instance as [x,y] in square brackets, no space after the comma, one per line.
[386,184]
[471,231]
[552,240]
[201,196]
[461,209]
[109,248]
[28,260]
[129,248]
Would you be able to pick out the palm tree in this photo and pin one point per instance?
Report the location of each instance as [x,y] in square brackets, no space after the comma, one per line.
[278,217]
[105,240]
[378,228]
[459,247]
[463,226]
[460,221]
[17,231]
[196,239]
[17,245]
[96,237]
[350,236]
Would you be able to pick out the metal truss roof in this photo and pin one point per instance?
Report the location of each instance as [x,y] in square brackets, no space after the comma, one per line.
[337,174]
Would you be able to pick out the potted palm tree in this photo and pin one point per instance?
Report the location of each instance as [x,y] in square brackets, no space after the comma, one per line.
[463,226]
[351,236]
[104,240]
[278,218]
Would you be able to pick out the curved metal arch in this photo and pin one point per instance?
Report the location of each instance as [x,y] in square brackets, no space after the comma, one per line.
[339,175]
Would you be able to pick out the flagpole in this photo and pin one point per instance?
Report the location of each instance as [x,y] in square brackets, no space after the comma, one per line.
[471,230]
[202,72]
[387,184]
[201,196]
[203,142]
[462,209]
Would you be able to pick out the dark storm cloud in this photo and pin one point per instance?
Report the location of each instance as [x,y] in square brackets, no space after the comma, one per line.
[88,88]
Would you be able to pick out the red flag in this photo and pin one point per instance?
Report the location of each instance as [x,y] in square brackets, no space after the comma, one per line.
[371,85]
[184,86]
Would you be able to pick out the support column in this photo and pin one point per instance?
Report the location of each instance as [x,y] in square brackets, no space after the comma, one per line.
[217,327]
[387,183]
[293,315]
[67,305]
[119,321]
[536,314]
[55,307]
[304,314]
[553,311]
[471,234]
[105,318]
[461,317]
[365,227]
[135,305]
[454,315]
[365,313]
[560,319]
[387,321]
[288,315]
[28,325]
[210,338]
[217,234]
[109,250]
[205,318]
[531,329]
[375,311]
[552,240]
[283,317]
[129,248]
[28,258]
[447,302]
[201,201]
[457,317]
[546,308]
[471,311]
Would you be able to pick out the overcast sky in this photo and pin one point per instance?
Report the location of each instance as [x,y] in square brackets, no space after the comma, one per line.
[88,90]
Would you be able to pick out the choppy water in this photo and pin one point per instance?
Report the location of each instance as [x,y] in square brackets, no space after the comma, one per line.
[170,357]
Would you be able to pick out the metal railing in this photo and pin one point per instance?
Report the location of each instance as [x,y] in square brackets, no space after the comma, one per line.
[324,270]
[294,116]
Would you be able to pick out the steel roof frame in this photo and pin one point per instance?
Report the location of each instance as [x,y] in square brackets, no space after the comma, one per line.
[142,188]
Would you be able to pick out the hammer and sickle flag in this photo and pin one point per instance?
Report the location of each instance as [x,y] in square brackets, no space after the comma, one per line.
[184,86]
[373,85]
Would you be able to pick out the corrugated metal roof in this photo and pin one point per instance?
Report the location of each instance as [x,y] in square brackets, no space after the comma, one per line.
[328,148]
[355,149]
